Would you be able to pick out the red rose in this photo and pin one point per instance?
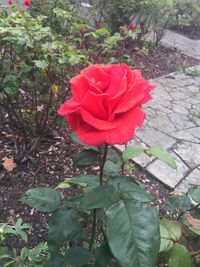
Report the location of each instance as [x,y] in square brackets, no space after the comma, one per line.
[132,27]
[10,2]
[27,3]
[106,104]
[100,25]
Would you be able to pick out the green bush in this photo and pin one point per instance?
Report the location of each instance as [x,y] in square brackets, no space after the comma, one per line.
[146,14]
[36,64]
[188,13]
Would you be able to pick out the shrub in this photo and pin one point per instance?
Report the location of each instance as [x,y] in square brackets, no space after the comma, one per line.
[147,15]
[36,64]
[188,13]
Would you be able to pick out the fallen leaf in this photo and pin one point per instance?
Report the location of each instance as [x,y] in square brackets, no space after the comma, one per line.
[195,223]
[9,164]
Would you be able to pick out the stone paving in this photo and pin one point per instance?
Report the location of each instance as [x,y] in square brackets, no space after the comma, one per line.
[173,123]
[188,46]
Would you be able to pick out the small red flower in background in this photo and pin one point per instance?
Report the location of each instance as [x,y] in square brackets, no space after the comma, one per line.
[10,2]
[27,3]
[106,104]
[132,27]
[23,9]
[100,25]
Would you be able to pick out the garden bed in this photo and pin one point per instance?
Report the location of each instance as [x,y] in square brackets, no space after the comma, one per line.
[52,162]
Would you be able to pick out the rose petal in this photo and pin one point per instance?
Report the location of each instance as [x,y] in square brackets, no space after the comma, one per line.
[118,81]
[68,107]
[96,77]
[79,87]
[138,95]
[123,133]
[94,104]
[97,123]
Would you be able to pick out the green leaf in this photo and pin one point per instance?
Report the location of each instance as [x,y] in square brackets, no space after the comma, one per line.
[194,192]
[24,253]
[163,155]
[44,199]
[77,256]
[4,253]
[111,169]
[178,203]
[130,189]
[100,197]
[180,257]
[166,243]
[173,229]
[82,180]
[86,158]
[56,260]
[22,234]
[131,152]
[194,230]
[103,255]
[132,231]
[62,224]
[72,203]
[9,263]
[41,64]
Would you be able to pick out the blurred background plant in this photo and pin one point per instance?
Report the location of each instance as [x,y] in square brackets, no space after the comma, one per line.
[36,65]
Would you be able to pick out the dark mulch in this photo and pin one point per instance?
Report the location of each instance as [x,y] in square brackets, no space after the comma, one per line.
[161,61]
[192,32]
[52,162]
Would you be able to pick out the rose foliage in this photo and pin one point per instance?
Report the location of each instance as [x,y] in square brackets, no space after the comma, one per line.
[106,107]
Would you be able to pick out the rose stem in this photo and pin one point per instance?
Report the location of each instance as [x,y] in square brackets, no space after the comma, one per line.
[101,165]
[123,164]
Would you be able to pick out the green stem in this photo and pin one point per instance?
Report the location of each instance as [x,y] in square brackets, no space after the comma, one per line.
[93,229]
[102,163]
[94,224]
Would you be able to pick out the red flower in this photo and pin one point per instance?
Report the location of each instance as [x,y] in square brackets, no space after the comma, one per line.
[106,104]
[27,3]
[132,27]
[10,2]
[100,25]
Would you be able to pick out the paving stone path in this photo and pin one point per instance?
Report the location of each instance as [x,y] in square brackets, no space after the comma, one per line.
[173,123]
[188,46]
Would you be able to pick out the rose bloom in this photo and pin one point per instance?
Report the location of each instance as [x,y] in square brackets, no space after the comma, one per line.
[10,2]
[106,104]
[27,3]
[132,27]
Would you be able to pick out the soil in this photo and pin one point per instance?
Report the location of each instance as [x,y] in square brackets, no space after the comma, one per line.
[192,32]
[161,61]
[52,162]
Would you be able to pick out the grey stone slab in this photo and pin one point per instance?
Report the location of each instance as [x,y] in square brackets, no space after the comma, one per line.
[192,179]
[194,132]
[180,121]
[162,122]
[166,174]
[187,46]
[187,135]
[153,137]
[189,152]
